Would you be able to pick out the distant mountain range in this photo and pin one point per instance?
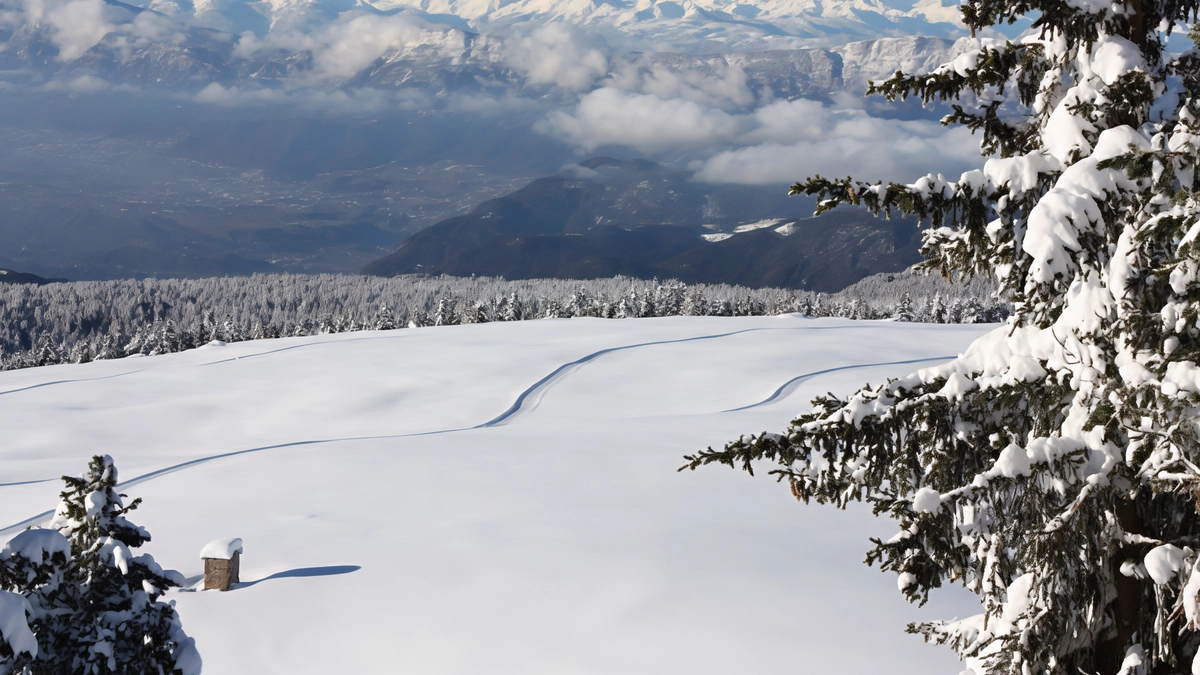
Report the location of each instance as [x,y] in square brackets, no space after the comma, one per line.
[457,45]
[636,218]
[696,26]
[437,60]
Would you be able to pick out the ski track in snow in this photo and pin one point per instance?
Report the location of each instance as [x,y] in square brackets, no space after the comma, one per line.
[539,388]
[28,482]
[307,344]
[531,394]
[86,379]
[788,387]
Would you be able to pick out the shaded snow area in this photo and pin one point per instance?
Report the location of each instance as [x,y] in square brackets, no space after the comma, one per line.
[492,498]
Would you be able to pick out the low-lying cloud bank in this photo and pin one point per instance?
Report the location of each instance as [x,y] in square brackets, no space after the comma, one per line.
[777,142]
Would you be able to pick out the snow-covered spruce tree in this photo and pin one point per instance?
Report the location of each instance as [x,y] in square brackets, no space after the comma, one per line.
[1054,468]
[117,623]
[904,309]
[384,319]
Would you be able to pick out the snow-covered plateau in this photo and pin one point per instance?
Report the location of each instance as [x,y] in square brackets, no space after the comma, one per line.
[491,498]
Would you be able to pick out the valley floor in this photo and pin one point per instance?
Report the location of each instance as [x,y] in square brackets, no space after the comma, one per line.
[494,498]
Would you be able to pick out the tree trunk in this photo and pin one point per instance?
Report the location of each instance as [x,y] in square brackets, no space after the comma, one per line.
[1137,25]
[1126,609]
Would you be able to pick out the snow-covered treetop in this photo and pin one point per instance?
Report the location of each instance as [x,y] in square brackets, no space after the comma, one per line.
[91,510]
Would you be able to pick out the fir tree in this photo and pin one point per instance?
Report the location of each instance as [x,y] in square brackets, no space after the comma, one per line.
[445,314]
[169,340]
[552,310]
[107,349]
[93,607]
[646,305]
[500,308]
[231,331]
[972,312]
[513,308]
[46,354]
[623,309]
[669,299]
[82,352]
[580,304]
[954,313]
[904,310]
[937,310]
[117,624]
[384,319]
[208,327]
[479,313]
[326,326]
[1052,469]
[694,303]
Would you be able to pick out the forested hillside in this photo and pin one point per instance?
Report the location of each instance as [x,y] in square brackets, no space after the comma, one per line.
[89,320]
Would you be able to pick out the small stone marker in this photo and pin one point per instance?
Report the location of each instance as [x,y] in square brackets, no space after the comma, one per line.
[221,564]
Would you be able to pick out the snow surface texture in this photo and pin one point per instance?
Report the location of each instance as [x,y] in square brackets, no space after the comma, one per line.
[493,498]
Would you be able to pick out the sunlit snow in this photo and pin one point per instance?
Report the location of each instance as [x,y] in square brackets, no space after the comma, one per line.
[493,498]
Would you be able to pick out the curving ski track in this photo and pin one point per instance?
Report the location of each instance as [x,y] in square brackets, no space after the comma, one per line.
[301,346]
[85,379]
[786,388]
[532,393]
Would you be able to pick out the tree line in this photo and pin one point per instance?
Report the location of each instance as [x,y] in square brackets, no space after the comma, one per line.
[91,320]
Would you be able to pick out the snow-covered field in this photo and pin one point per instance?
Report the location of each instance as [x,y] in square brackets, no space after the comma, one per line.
[495,498]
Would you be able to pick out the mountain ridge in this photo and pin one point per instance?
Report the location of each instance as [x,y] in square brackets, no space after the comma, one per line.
[636,218]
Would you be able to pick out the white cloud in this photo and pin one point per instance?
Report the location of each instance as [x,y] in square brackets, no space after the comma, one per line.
[557,54]
[775,143]
[84,84]
[350,44]
[74,26]
[226,96]
[720,86]
[611,116]
[794,139]
[334,101]
[903,159]
[152,27]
